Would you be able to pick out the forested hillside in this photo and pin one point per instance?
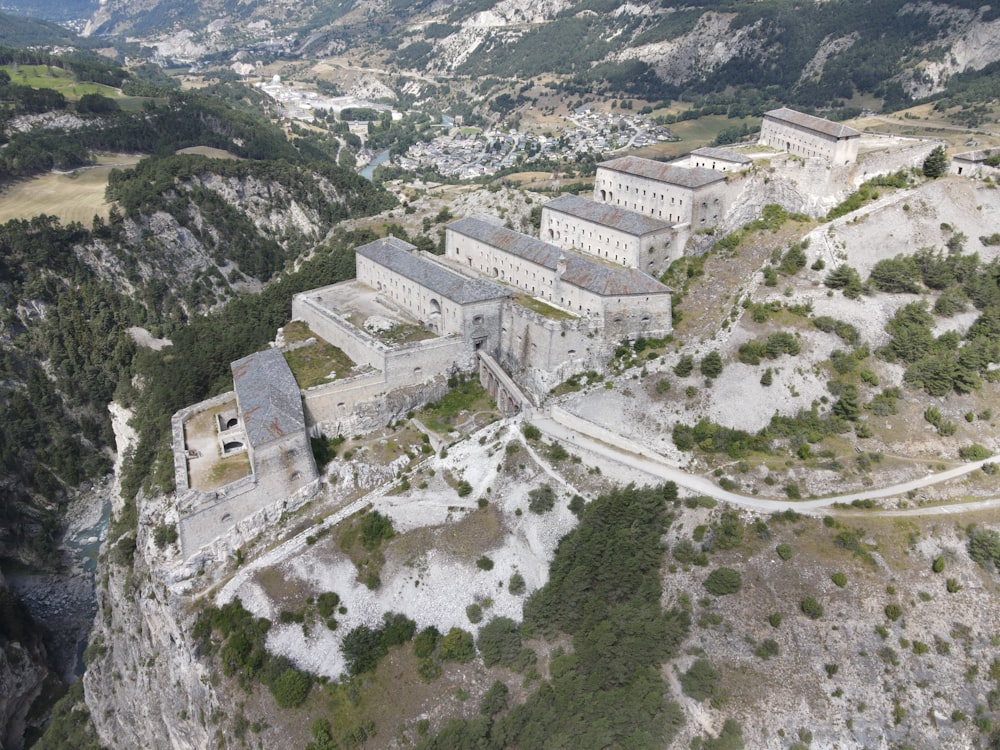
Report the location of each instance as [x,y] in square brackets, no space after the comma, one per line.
[189,232]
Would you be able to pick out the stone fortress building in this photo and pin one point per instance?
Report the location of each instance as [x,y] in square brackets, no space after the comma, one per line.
[523,312]
[809,136]
[614,234]
[692,196]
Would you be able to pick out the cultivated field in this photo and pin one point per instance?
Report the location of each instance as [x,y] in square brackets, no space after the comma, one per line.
[75,196]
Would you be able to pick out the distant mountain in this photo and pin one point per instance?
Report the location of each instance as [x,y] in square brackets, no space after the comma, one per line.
[51,10]
[815,53]
[20,31]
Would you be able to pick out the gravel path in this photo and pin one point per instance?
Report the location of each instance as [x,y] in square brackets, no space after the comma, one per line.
[625,451]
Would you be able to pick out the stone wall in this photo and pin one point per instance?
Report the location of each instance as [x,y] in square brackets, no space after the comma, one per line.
[887,154]
[361,347]
[542,352]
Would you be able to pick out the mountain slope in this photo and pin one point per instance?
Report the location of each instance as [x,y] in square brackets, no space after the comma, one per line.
[815,52]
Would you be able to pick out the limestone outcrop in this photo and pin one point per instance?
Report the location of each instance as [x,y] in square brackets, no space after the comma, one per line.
[23,668]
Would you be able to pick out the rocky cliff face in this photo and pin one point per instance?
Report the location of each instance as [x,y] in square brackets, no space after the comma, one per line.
[23,668]
[144,685]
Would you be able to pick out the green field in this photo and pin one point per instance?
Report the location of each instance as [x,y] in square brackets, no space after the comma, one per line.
[76,196]
[63,81]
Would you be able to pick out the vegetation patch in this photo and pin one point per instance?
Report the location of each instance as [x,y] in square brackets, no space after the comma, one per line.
[603,591]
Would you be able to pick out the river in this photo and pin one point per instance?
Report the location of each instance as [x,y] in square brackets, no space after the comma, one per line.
[380,158]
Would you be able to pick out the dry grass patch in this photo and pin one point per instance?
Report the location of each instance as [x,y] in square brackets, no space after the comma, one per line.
[478,531]
[228,469]
[76,196]
[286,593]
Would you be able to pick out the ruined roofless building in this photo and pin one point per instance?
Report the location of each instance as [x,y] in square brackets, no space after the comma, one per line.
[805,135]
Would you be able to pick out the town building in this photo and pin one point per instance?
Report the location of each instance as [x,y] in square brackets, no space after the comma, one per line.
[614,234]
[691,196]
[809,136]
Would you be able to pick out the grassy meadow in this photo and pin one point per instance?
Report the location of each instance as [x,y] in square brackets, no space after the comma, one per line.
[63,81]
[76,196]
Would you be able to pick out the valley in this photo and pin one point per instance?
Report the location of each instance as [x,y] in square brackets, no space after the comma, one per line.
[771,524]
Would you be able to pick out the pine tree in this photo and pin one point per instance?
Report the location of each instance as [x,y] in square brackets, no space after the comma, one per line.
[936,163]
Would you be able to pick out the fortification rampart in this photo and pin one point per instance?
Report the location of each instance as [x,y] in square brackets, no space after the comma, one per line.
[360,346]
[541,352]
[885,154]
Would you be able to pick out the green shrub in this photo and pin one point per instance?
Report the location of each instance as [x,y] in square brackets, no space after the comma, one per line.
[784,551]
[425,642]
[727,532]
[541,499]
[711,365]
[774,619]
[484,563]
[495,700]
[516,585]
[464,489]
[839,579]
[938,565]
[531,432]
[375,528]
[556,452]
[499,642]
[767,649]
[686,554]
[164,534]
[953,586]
[290,687]
[475,613]
[684,366]
[811,608]
[326,603]
[458,645]
[845,278]
[974,452]
[984,547]
[723,581]
[701,681]
[893,611]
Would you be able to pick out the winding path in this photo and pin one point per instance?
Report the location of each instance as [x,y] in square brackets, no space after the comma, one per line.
[625,452]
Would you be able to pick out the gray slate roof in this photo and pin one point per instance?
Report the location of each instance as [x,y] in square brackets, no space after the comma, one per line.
[630,222]
[397,255]
[595,277]
[975,156]
[268,397]
[689,177]
[723,154]
[817,124]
